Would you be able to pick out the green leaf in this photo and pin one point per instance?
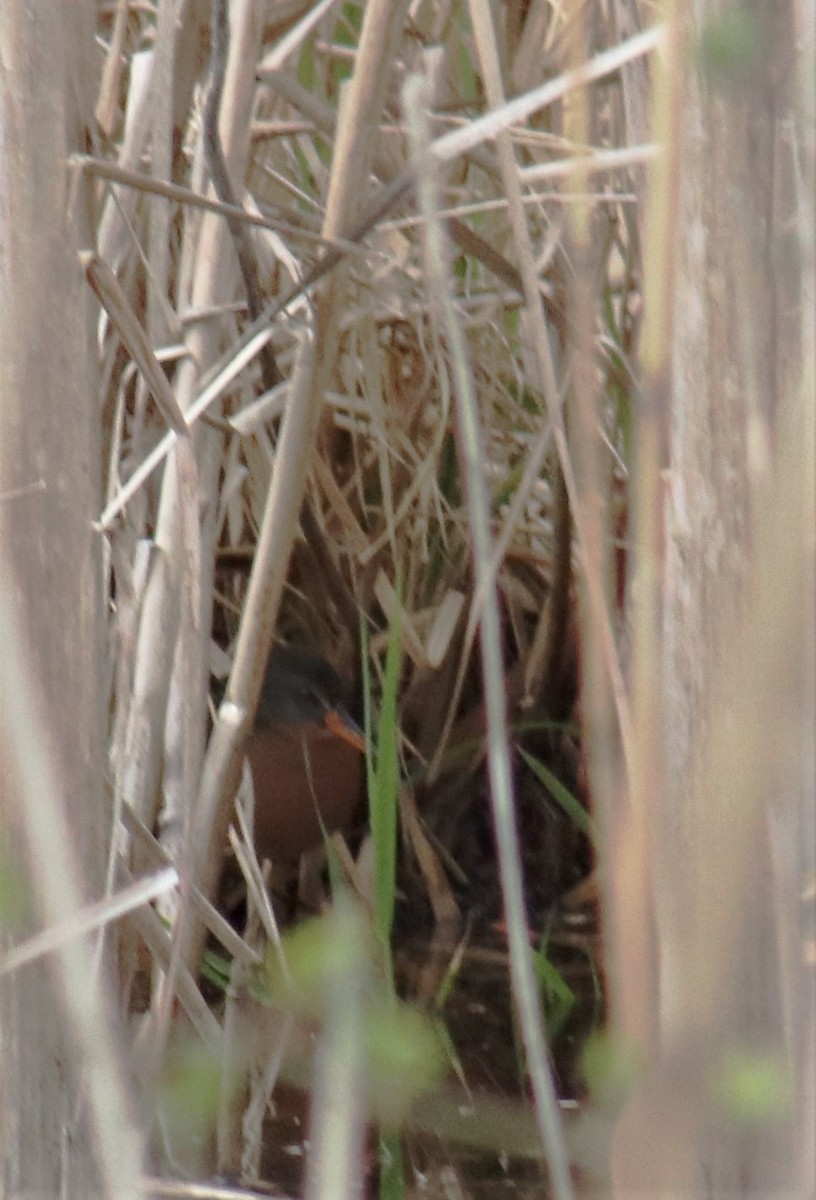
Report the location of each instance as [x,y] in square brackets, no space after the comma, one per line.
[558,996]
[404,1058]
[611,1067]
[729,48]
[751,1086]
[563,797]
[297,975]
[383,782]
[392,1169]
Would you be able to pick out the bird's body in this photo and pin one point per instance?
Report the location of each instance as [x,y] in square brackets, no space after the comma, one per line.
[305,753]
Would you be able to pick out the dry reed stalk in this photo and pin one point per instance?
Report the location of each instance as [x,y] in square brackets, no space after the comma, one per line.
[470,451]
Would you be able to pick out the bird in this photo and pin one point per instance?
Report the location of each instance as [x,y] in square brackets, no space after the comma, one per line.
[305,752]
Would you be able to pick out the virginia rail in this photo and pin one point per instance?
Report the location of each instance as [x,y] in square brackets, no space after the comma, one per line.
[305,752]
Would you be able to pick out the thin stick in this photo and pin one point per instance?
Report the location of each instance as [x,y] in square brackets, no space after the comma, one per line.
[501,785]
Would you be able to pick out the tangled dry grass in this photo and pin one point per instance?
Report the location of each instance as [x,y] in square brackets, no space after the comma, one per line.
[325,365]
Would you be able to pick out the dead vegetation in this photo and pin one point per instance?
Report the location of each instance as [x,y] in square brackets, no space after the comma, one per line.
[399,289]
[308,339]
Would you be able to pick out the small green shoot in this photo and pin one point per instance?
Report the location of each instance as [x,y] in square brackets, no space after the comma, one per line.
[382,764]
[189,1092]
[403,1054]
[751,1086]
[611,1068]
[557,996]
[564,798]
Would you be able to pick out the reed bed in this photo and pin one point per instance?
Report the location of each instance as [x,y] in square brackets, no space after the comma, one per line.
[372,292]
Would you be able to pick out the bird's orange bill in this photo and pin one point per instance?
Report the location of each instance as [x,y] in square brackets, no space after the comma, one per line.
[341,724]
